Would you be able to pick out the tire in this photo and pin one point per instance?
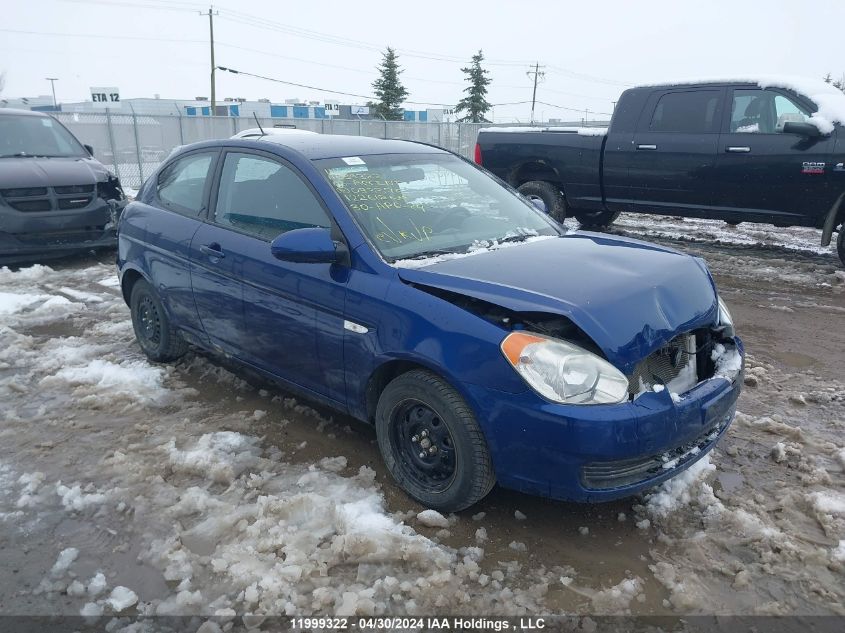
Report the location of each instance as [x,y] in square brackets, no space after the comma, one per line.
[596,219]
[154,332]
[840,244]
[549,194]
[419,406]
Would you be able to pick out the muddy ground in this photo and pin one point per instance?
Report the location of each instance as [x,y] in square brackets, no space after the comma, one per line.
[197,489]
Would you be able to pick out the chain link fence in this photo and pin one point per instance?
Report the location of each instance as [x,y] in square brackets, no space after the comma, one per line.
[134,144]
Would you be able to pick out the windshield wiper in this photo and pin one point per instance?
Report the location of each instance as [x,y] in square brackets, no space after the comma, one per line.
[431,253]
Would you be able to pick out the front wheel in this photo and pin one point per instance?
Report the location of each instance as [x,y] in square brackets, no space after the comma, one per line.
[548,194]
[431,442]
[596,219]
[840,244]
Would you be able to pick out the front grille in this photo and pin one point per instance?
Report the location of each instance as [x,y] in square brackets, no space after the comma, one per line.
[39,204]
[667,364]
[74,189]
[24,192]
[628,472]
[40,199]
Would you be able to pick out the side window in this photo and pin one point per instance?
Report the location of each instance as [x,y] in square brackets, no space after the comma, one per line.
[692,112]
[263,197]
[763,112]
[181,184]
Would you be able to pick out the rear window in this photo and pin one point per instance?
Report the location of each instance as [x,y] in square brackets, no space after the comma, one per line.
[692,112]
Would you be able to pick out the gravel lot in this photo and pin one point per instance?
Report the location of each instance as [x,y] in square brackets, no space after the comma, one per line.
[130,488]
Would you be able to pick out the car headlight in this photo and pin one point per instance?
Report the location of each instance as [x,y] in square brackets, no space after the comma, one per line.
[726,321]
[563,372]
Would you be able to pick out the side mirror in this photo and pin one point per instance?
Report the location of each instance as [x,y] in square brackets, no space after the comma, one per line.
[801,128]
[89,149]
[305,246]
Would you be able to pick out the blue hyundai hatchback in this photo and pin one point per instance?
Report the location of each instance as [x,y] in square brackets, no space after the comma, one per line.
[404,286]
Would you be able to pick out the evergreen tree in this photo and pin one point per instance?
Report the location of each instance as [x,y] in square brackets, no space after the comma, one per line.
[475,102]
[836,84]
[388,88]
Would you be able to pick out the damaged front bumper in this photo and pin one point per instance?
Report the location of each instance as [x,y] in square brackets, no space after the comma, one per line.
[603,452]
[51,235]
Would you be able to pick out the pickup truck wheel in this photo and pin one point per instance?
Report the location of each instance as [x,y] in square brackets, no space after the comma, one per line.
[431,442]
[156,336]
[840,244]
[549,194]
[596,219]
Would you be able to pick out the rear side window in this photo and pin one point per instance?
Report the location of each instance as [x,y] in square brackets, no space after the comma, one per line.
[181,185]
[265,198]
[692,112]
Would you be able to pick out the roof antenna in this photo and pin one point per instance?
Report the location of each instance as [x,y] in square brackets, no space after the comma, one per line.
[263,133]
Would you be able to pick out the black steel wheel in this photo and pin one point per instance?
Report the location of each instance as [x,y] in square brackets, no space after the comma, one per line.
[156,336]
[431,442]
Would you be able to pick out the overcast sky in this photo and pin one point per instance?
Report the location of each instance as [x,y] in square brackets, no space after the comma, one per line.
[591,50]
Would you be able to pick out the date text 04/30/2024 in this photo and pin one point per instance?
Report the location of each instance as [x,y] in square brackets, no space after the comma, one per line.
[431,623]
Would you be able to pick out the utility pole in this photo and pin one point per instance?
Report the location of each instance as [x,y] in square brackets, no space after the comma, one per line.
[53,81]
[538,74]
[211,13]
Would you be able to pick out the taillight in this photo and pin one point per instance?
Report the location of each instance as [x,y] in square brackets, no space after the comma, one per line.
[477,154]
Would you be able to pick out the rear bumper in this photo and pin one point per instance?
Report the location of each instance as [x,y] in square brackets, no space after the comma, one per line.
[56,234]
[602,452]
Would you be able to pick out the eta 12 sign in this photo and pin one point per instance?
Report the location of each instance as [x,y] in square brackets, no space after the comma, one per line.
[332,109]
[106,97]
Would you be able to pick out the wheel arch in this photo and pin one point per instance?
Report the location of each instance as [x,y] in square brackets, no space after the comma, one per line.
[128,280]
[534,170]
[835,217]
[391,369]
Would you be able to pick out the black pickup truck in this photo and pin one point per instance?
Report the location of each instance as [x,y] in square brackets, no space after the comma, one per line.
[740,151]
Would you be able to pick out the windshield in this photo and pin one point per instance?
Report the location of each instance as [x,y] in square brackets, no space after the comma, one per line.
[416,205]
[22,135]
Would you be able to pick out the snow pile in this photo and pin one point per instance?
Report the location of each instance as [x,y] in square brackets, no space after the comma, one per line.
[475,249]
[681,490]
[64,561]
[105,381]
[617,599]
[728,361]
[121,599]
[580,130]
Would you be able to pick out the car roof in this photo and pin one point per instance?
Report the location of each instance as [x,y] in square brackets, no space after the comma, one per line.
[24,112]
[271,131]
[317,146]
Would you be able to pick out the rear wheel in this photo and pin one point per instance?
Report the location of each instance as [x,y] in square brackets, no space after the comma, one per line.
[549,194]
[596,219]
[431,442]
[156,336]
[840,244]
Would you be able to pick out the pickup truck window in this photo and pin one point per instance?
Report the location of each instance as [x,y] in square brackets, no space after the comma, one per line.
[689,112]
[763,112]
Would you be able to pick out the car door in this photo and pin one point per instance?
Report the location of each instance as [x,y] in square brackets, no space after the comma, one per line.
[179,196]
[671,165]
[292,312]
[764,174]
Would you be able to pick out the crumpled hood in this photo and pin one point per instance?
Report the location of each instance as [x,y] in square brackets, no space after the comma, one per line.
[630,297]
[50,172]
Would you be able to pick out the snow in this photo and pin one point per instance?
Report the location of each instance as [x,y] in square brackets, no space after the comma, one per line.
[91,610]
[828,502]
[519,516]
[64,561]
[97,584]
[476,249]
[582,131]
[679,490]
[132,380]
[432,518]
[728,361]
[122,598]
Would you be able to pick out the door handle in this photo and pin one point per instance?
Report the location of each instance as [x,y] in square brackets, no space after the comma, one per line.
[646,146]
[737,150]
[212,250]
